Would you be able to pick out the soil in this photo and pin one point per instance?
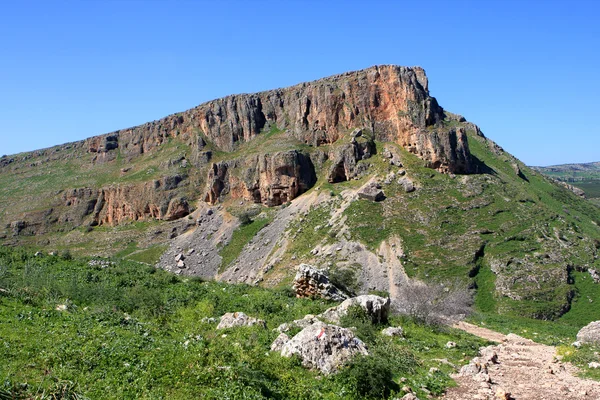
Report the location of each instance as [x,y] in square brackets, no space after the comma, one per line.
[524,370]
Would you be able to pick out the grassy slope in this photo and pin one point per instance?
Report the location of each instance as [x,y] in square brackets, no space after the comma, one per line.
[131,331]
[447,220]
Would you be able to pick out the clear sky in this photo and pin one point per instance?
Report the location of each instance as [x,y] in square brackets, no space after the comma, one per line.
[525,71]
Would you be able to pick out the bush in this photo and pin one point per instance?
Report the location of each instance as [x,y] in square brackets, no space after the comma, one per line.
[434,304]
[372,377]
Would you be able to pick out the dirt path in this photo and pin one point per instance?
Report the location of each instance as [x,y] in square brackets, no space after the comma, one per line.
[520,369]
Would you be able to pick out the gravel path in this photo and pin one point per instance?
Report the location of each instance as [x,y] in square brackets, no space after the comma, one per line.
[518,368]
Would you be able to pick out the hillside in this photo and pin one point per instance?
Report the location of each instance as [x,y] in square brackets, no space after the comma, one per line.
[583,176]
[245,188]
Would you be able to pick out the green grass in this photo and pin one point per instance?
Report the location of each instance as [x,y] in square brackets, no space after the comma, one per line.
[240,237]
[132,331]
[149,256]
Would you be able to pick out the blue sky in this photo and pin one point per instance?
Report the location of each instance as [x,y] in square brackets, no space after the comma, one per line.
[525,71]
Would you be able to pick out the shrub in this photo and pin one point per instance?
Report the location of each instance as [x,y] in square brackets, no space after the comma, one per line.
[434,304]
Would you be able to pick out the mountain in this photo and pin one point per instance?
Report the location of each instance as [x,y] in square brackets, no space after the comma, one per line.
[363,174]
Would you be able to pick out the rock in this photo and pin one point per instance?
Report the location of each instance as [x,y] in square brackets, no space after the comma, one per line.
[180,264]
[393,331]
[324,347]
[489,355]
[279,342]
[471,369]
[177,208]
[371,191]
[375,306]
[179,257]
[594,365]
[208,320]
[407,184]
[450,345]
[312,282]
[271,179]
[409,396]
[590,334]
[594,274]
[503,395]
[299,323]
[345,160]
[232,320]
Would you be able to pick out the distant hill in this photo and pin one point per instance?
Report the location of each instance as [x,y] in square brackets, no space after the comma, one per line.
[585,176]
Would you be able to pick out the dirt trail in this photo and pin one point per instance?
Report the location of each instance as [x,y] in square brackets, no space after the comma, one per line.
[520,369]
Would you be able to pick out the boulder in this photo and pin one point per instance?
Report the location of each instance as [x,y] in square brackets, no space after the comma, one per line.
[236,319]
[371,191]
[590,333]
[376,307]
[313,282]
[393,331]
[279,342]
[407,184]
[324,347]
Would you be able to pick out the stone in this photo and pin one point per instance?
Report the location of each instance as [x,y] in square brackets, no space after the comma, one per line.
[393,331]
[407,184]
[237,319]
[180,264]
[594,365]
[324,347]
[371,191]
[312,282]
[279,342]
[376,307]
[299,323]
[589,334]
[450,345]
[409,396]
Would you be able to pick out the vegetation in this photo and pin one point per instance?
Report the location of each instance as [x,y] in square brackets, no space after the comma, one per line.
[119,329]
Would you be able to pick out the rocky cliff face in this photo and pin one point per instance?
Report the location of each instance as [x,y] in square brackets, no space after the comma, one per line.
[268,179]
[386,103]
[392,102]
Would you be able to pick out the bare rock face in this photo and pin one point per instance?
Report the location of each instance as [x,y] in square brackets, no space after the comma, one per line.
[376,307]
[236,319]
[590,333]
[324,347]
[312,282]
[271,179]
[346,157]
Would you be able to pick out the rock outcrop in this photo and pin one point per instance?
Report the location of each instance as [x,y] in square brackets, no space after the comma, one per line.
[324,347]
[376,307]
[270,179]
[115,204]
[312,282]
